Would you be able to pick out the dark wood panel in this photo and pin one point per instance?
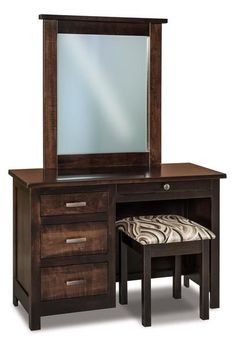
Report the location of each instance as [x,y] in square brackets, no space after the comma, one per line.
[35,284]
[170,172]
[22,238]
[96,302]
[103,28]
[112,243]
[102,19]
[70,162]
[66,204]
[71,239]
[215,247]
[199,210]
[75,259]
[155,31]
[74,281]
[163,196]
[180,248]
[21,294]
[76,218]
[50,94]
[147,188]
[145,208]
[14,224]
[71,189]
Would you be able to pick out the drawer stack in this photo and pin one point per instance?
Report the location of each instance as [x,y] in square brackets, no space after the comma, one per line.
[77,250]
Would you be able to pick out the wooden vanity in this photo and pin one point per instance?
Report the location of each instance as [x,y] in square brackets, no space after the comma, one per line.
[65,243]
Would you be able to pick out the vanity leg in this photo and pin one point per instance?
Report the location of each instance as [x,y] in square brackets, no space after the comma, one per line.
[215,249]
[35,275]
[123,297]
[177,277]
[146,287]
[186,281]
[34,322]
[204,282]
[15,300]
[214,277]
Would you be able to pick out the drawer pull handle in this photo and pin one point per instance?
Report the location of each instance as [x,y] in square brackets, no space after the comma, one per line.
[166,186]
[76,204]
[75,282]
[76,240]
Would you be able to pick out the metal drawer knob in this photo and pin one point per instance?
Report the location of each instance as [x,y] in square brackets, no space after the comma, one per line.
[76,204]
[75,282]
[76,240]
[166,186]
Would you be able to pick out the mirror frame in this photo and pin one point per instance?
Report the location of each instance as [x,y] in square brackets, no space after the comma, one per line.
[52,25]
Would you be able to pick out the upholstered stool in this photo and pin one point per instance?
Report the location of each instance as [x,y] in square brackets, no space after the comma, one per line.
[159,236]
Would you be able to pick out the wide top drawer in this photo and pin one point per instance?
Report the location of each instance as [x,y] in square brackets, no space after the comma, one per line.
[164,188]
[75,203]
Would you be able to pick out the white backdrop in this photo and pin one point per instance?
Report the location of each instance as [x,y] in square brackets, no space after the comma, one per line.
[199,74]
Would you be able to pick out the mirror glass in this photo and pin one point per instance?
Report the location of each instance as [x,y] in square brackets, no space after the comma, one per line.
[102,93]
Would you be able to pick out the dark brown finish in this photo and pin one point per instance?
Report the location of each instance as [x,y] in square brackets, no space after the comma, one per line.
[35,284]
[177,249]
[159,187]
[74,281]
[184,197]
[74,259]
[83,303]
[64,204]
[155,95]
[101,243]
[215,246]
[103,28]
[146,287]
[169,172]
[177,277]
[72,162]
[102,19]
[123,269]
[14,222]
[76,218]
[72,239]
[100,26]
[22,235]
[50,94]
[21,295]
[112,186]
[204,285]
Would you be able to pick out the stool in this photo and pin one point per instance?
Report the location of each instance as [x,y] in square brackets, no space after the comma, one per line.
[160,236]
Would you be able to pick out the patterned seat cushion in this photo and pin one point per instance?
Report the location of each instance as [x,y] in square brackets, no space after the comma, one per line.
[163,229]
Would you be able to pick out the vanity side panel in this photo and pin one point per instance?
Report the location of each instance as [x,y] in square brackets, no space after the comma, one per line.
[22,235]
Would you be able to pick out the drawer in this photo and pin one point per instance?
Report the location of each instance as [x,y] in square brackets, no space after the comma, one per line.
[74,281]
[164,187]
[76,203]
[73,239]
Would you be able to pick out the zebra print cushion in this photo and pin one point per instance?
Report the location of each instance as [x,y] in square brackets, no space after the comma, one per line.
[163,229]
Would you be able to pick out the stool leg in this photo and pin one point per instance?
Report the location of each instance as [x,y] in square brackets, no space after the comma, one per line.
[177,277]
[186,281]
[123,271]
[146,287]
[204,283]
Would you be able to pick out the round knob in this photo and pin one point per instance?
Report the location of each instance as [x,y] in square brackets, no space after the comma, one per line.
[166,186]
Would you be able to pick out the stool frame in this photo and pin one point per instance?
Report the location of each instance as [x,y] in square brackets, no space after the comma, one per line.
[147,252]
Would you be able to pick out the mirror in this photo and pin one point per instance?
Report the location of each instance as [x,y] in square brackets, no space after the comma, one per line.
[102,96]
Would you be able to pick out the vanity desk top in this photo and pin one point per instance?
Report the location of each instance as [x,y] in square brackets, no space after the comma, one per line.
[170,172]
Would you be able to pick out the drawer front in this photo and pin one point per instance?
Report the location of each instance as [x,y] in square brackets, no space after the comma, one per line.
[73,239]
[74,281]
[76,203]
[164,187]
